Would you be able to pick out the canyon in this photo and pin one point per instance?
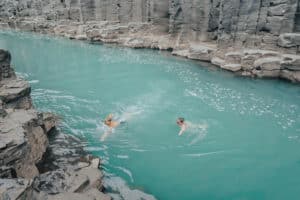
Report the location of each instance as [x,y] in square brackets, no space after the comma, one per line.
[256,38]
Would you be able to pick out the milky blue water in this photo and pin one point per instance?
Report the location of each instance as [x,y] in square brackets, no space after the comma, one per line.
[243,138]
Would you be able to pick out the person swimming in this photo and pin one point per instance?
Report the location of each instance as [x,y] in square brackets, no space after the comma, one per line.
[181,123]
[110,122]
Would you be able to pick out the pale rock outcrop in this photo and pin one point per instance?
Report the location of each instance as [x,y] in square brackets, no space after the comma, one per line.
[291,62]
[217,61]
[232,67]
[200,52]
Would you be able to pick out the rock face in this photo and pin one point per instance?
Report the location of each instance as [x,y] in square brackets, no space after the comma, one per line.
[208,30]
[197,29]
[31,165]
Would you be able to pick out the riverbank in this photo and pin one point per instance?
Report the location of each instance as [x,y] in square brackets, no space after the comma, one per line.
[278,59]
[37,160]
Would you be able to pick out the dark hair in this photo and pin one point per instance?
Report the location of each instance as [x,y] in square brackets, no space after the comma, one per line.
[181,119]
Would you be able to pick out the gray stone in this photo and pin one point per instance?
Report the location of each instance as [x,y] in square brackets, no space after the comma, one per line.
[289,40]
[49,121]
[135,43]
[278,10]
[291,62]
[11,189]
[218,61]
[179,52]
[266,73]
[290,75]
[233,57]
[95,163]
[200,52]
[269,64]
[96,194]
[232,67]
[14,89]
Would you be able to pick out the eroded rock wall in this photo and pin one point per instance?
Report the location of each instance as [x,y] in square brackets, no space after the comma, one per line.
[218,31]
[202,19]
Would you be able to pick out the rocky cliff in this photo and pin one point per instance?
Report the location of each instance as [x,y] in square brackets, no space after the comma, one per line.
[31,165]
[252,38]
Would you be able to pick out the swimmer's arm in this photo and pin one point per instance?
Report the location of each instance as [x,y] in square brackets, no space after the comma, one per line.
[104,136]
[180,132]
[183,128]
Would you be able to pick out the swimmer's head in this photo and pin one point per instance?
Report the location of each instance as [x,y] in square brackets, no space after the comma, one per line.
[108,119]
[180,120]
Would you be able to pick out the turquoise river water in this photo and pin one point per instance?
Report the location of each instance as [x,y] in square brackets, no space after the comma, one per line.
[243,140]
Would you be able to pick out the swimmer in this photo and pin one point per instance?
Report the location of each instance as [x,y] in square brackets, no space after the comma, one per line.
[109,121]
[111,124]
[181,123]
